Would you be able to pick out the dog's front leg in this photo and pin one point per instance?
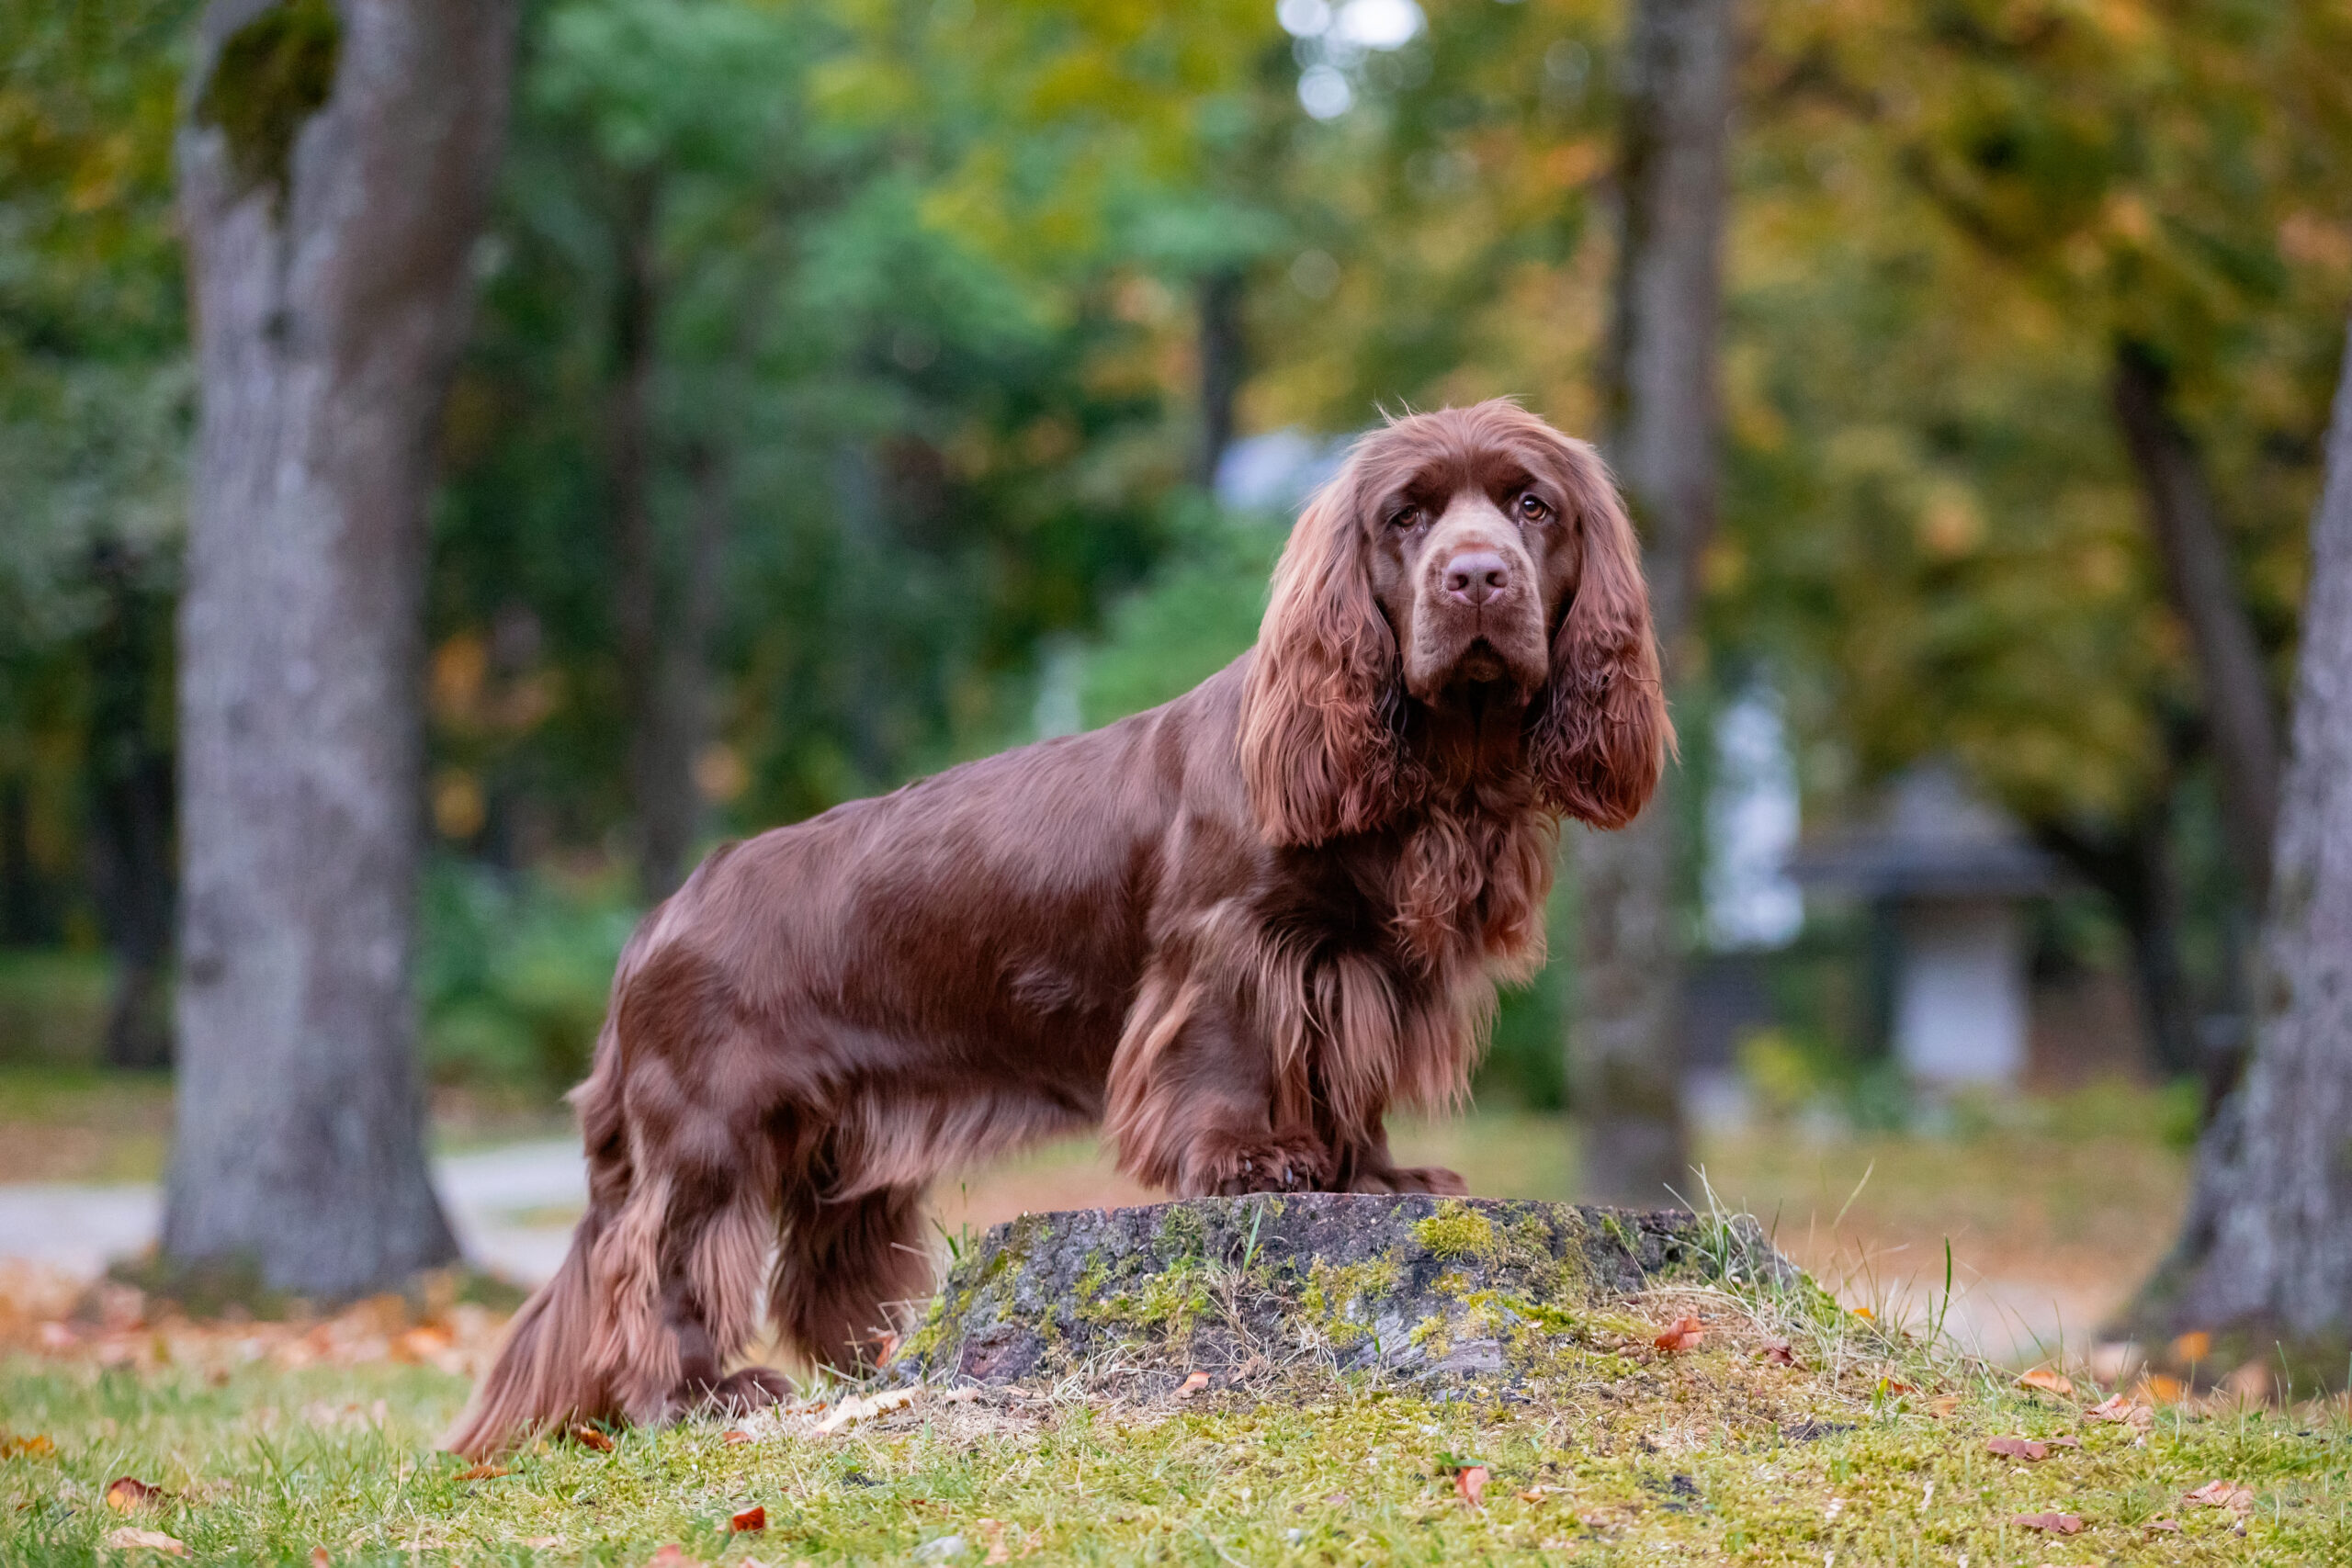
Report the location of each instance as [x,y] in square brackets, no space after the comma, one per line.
[1200,1109]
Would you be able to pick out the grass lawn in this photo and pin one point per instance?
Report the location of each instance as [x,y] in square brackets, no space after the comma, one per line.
[1615,1455]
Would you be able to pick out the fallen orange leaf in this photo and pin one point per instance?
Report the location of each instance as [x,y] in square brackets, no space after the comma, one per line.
[754,1518]
[2222,1495]
[2192,1346]
[483,1472]
[2172,1525]
[127,1539]
[1470,1484]
[2114,1408]
[319,1557]
[2056,1524]
[589,1437]
[1192,1385]
[36,1445]
[2047,1380]
[1894,1385]
[1686,1332]
[2163,1390]
[1866,1313]
[126,1493]
[1943,1404]
[2017,1447]
[1778,1353]
[734,1434]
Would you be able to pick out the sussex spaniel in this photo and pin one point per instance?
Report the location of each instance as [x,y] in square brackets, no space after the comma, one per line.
[1234,929]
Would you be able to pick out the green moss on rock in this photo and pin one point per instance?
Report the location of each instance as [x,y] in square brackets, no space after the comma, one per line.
[1455,1231]
[1466,1286]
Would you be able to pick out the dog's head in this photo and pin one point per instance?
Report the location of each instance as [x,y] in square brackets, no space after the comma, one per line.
[1470,561]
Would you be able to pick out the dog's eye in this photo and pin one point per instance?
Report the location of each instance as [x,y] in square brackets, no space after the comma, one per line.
[1405,517]
[1531,507]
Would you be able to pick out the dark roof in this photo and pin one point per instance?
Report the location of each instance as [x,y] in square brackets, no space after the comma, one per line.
[1934,840]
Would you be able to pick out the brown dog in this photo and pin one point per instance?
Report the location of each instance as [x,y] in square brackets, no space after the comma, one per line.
[1235,928]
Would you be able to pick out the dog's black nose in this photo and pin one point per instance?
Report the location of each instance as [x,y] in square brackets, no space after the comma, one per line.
[1476,576]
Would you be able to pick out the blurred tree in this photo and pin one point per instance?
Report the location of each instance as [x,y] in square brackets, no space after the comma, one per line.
[1661,411]
[332,171]
[2160,192]
[2266,1250]
[902,321]
[662,106]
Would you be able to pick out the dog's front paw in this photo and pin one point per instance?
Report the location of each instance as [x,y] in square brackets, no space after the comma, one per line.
[1232,1167]
[753,1388]
[1433,1179]
[1381,1177]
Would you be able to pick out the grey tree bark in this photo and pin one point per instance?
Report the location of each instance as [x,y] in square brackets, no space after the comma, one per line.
[1662,438]
[2267,1242]
[334,169]
[2243,729]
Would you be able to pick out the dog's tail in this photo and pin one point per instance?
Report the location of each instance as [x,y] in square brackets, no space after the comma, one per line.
[556,1365]
[547,1371]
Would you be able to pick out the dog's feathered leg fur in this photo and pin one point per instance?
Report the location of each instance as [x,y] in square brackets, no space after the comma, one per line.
[846,1264]
[662,1287]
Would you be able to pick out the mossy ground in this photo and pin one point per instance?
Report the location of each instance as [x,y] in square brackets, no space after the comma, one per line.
[1614,1454]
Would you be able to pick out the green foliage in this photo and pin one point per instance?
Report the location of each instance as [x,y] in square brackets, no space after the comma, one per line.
[272,74]
[53,1007]
[512,973]
[1198,613]
[911,296]
[96,405]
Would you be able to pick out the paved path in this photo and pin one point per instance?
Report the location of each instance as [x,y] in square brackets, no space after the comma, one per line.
[511,1207]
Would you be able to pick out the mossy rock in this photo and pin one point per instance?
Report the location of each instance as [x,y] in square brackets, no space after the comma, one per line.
[1422,1285]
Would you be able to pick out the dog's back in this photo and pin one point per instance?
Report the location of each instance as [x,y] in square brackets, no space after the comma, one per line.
[822,1019]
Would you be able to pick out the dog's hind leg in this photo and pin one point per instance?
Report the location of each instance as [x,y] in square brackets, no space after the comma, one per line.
[679,1267]
[681,1270]
[847,1263]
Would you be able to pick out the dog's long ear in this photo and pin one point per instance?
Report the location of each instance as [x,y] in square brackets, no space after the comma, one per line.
[1601,732]
[1318,753]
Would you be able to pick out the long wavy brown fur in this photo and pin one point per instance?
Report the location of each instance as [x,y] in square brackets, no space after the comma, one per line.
[1235,930]
[1601,736]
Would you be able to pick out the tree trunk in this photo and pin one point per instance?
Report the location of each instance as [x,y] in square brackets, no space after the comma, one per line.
[1662,437]
[2133,870]
[660,732]
[130,806]
[332,173]
[1223,363]
[2267,1244]
[687,716]
[2204,590]
[24,911]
